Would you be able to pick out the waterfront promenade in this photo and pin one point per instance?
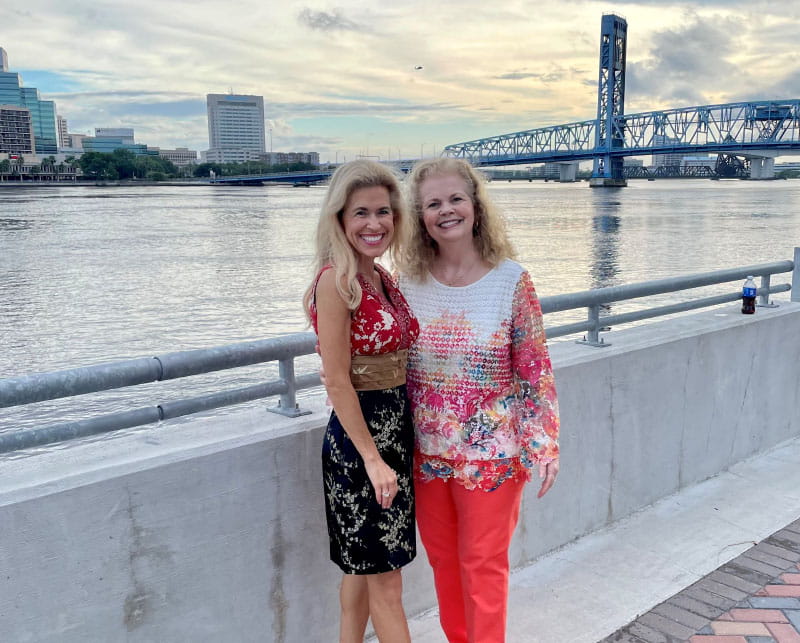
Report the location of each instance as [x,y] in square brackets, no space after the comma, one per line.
[693,566]
[211,527]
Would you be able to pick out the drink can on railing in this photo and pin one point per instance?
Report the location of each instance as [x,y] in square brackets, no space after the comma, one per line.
[749,296]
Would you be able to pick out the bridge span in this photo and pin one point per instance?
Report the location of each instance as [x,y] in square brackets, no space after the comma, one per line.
[756,130]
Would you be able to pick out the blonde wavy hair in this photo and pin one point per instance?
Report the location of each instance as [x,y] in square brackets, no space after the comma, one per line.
[332,246]
[489,231]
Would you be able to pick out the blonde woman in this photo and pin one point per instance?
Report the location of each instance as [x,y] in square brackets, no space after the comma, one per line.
[482,394]
[365,328]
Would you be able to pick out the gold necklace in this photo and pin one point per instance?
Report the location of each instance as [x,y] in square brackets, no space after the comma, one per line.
[457,278]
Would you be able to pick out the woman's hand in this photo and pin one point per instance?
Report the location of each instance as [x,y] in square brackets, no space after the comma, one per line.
[549,472]
[384,481]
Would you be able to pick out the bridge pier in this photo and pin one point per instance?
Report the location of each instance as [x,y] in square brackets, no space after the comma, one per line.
[762,168]
[607,182]
[567,172]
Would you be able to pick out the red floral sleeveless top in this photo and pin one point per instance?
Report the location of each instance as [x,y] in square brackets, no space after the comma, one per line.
[379,325]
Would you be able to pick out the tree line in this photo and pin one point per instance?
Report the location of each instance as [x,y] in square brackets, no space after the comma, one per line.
[123,164]
[249,167]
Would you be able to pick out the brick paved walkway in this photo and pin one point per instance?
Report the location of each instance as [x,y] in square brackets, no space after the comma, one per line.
[754,598]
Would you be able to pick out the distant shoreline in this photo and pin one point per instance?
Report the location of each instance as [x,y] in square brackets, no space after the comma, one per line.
[99,184]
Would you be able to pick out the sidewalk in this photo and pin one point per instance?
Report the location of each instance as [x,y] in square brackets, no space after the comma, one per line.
[715,563]
[754,598]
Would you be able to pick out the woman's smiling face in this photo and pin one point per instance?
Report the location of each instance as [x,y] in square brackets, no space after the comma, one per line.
[368,221]
[447,208]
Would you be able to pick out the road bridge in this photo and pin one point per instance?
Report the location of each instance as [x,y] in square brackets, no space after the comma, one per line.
[756,130]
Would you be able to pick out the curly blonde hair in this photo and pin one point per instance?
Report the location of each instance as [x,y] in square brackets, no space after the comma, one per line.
[332,246]
[489,231]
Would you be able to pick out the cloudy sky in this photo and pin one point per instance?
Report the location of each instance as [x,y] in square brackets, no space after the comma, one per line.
[339,77]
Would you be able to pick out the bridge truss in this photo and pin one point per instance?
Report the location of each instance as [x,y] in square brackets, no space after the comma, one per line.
[744,129]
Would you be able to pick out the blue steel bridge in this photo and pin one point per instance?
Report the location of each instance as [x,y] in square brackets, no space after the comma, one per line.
[746,136]
[755,130]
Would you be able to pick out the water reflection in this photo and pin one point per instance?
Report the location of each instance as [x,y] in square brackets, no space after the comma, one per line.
[15,224]
[605,246]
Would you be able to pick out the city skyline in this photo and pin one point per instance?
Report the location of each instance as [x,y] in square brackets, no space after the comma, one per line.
[388,81]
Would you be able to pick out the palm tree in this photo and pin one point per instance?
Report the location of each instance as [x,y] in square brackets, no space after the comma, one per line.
[48,164]
[17,170]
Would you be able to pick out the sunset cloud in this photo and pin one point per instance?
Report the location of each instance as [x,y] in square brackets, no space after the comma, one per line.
[344,77]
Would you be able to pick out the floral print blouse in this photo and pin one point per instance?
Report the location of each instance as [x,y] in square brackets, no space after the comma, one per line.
[480,380]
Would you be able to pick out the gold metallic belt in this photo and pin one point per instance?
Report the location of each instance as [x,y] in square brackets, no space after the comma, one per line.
[374,372]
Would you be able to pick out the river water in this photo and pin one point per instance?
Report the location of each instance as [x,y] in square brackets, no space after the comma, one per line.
[93,274]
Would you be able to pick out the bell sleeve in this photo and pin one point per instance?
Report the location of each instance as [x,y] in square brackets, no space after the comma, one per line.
[537,408]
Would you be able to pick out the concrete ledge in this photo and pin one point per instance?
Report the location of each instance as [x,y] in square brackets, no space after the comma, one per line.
[213,528]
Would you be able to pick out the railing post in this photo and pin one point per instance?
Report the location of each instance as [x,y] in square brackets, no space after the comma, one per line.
[287,404]
[592,337]
[763,293]
[796,276]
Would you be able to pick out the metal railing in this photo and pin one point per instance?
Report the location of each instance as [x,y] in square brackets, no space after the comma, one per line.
[592,300]
[29,389]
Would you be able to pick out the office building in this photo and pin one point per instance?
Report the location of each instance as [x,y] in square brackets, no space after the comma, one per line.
[235,127]
[43,112]
[108,139]
[180,156]
[63,135]
[232,156]
[671,159]
[16,131]
[75,141]
[708,162]
[632,162]
[284,158]
[124,133]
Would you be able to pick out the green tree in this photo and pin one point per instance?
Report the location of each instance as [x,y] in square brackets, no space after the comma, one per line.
[97,165]
[5,166]
[124,162]
[17,166]
[203,169]
[153,167]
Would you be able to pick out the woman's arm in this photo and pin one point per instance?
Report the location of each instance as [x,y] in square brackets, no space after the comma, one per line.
[533,372]
[333,332]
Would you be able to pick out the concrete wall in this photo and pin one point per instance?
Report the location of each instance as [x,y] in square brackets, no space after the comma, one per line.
[212,529]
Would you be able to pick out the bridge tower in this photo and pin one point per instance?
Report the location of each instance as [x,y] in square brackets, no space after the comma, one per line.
[609,134]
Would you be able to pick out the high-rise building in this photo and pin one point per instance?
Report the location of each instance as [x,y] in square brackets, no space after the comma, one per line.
[63,134]
[75,141]
[235,125]
[16,131]
[125,133]
[43,112]
[108,139]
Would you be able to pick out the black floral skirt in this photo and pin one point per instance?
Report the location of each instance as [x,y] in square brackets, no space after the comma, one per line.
[365,538]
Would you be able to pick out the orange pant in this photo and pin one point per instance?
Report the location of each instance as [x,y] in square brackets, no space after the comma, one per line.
[466,535]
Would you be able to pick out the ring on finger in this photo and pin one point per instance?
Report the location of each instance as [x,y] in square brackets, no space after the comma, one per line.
[386,494]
